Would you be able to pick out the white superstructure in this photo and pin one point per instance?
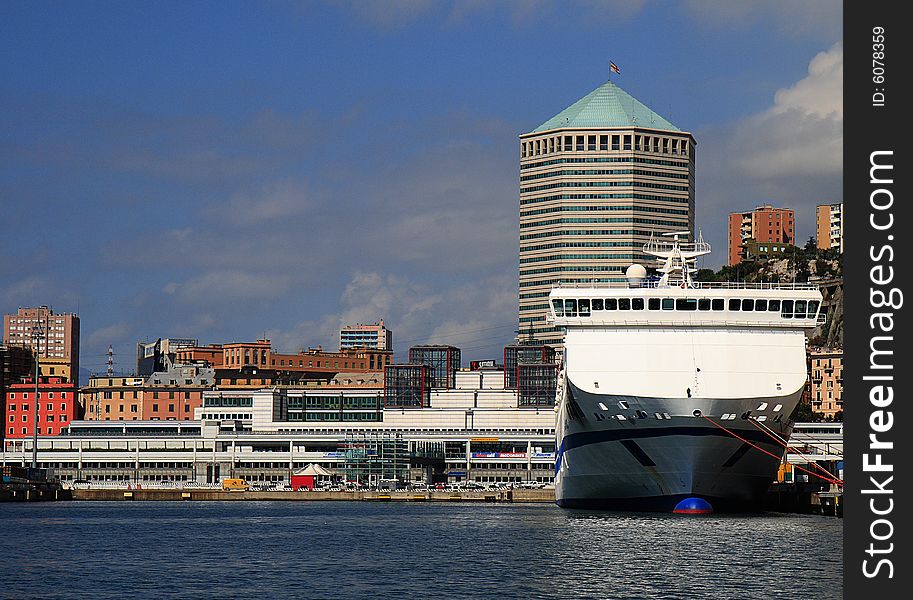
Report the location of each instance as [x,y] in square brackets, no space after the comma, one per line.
[652,368]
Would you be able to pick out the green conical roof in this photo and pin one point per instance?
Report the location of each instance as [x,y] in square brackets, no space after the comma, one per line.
[607,106]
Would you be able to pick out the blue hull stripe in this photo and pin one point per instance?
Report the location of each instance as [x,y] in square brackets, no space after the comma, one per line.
[585,438]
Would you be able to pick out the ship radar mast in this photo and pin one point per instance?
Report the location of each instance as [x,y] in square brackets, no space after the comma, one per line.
[679,257]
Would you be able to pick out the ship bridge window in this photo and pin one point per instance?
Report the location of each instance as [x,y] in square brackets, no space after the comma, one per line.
[686,304]
[637,303]
[787,311]
[668,304]
[559,307]
[570,308]
[734,304]
[653,304]
[760,304]
[773,306]
[812,309]
[584,306]
[611,304]
[718,304]
[703,304]
[801,306]
[597,304]
[624,304]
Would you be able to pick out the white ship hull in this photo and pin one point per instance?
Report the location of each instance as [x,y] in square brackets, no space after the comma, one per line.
[677,391]
[652,463]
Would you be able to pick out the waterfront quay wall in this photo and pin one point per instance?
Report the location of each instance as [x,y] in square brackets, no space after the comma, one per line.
[517,495]
[33,494]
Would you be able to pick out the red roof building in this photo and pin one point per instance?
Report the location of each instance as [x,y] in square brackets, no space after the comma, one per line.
[57,407]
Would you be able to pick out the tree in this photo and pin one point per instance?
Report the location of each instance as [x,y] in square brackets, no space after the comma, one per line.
[811,247]
[705,275]
[805,414]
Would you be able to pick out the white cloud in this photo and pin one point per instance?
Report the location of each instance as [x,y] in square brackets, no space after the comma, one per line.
[227,287]
[821,17]
[389,14]
[114,334]
[790,154]
[821,92]
[802,132]
[272,201]
[477,316]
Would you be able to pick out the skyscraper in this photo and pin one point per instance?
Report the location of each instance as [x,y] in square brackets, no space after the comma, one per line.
[596,181]
[53,336]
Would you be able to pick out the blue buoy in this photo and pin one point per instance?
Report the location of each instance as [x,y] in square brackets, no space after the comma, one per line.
[693,506]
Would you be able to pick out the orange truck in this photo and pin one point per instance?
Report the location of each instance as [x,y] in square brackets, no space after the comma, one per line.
[234,485]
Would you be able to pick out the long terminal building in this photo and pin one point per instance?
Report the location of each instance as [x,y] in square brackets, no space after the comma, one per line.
[475,430]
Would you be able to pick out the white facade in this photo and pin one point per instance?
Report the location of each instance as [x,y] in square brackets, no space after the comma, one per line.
[485,435]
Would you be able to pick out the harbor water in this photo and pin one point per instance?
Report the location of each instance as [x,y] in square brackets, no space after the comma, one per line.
[368,550]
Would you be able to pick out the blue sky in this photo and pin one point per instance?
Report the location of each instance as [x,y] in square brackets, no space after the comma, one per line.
[231,170]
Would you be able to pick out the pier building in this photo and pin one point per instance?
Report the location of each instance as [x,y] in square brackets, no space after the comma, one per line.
[475,430]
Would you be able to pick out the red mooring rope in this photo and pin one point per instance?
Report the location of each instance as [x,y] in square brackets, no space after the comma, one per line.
[830,479]
[779,440]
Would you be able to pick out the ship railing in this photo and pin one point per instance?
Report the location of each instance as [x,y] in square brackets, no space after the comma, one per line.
[698,285]
[663,247]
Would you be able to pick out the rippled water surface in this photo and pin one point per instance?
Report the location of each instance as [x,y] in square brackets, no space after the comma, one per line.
[365,550]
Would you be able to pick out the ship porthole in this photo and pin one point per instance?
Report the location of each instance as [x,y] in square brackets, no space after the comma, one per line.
[697,412]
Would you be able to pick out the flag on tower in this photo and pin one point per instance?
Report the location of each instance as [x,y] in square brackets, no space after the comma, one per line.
[614,68]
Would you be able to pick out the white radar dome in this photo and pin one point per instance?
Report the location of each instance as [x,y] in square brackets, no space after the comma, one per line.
[636,272]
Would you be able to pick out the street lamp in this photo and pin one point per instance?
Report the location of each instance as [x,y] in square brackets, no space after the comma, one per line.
[37,334]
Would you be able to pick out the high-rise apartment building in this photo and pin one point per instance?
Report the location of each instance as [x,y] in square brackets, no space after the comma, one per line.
[829,226]
[375,336]
[596,181]
[54,337]
[764,224]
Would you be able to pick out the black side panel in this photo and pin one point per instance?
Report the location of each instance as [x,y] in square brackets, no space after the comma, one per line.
[737,455]
[638,453]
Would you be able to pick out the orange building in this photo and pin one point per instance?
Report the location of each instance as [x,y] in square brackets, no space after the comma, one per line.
[763,224]
[212,355]
[246,354]
[255,365]
[163,396]
[113,398]
[829,226]
[353,360]
[826,377]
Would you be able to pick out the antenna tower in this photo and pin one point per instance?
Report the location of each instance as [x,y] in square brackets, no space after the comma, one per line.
[110,361]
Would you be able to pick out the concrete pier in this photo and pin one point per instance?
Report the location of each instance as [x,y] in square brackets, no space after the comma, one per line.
[518,495]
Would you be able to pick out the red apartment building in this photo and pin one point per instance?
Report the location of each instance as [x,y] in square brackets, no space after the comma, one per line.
[764,224]
[57,407]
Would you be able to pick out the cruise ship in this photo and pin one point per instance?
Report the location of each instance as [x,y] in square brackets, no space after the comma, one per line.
[673,392]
